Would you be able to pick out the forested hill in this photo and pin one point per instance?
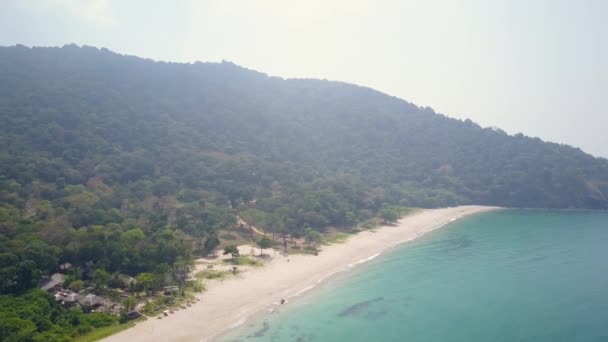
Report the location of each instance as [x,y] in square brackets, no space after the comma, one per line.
[97,149]
[76,116]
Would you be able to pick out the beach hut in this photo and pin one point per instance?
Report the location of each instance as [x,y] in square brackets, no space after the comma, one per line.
[70,299]
[65,266]
[171,290]
[54,282]
[90,300]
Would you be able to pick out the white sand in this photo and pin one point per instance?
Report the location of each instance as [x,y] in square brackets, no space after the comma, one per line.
[228,303]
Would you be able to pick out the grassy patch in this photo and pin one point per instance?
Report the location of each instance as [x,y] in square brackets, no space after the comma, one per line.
[232,237]
[212,274]
[334,237]
[371,223]
[195,286]
[405,211]
[99,333]
[162,303]
[157,305]
[303,250]
[244,260]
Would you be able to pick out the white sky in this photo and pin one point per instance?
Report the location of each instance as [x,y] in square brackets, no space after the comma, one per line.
[539,67]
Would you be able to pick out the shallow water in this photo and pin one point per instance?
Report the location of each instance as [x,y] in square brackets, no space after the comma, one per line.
[512,275]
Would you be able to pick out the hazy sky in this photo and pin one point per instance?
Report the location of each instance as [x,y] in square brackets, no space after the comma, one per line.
[536,67]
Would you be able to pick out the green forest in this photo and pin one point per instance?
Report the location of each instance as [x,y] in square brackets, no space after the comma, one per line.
[123,165]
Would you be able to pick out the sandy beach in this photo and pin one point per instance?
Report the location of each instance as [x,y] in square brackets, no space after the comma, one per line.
[229,303]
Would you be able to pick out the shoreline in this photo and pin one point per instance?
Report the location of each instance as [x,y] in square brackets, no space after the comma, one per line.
[232,302]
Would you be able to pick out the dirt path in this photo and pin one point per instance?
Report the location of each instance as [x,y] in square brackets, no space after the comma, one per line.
[257,231]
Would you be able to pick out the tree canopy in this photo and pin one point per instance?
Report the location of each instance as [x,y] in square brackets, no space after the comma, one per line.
[35,316]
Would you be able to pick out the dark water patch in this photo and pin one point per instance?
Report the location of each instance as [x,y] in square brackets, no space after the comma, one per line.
[374,315]
[261,332]
[456,243]
[358,308]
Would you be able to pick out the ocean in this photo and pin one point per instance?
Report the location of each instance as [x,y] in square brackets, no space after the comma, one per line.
[508,275]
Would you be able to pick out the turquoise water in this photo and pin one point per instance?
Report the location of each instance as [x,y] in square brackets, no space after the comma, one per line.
[500,276]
